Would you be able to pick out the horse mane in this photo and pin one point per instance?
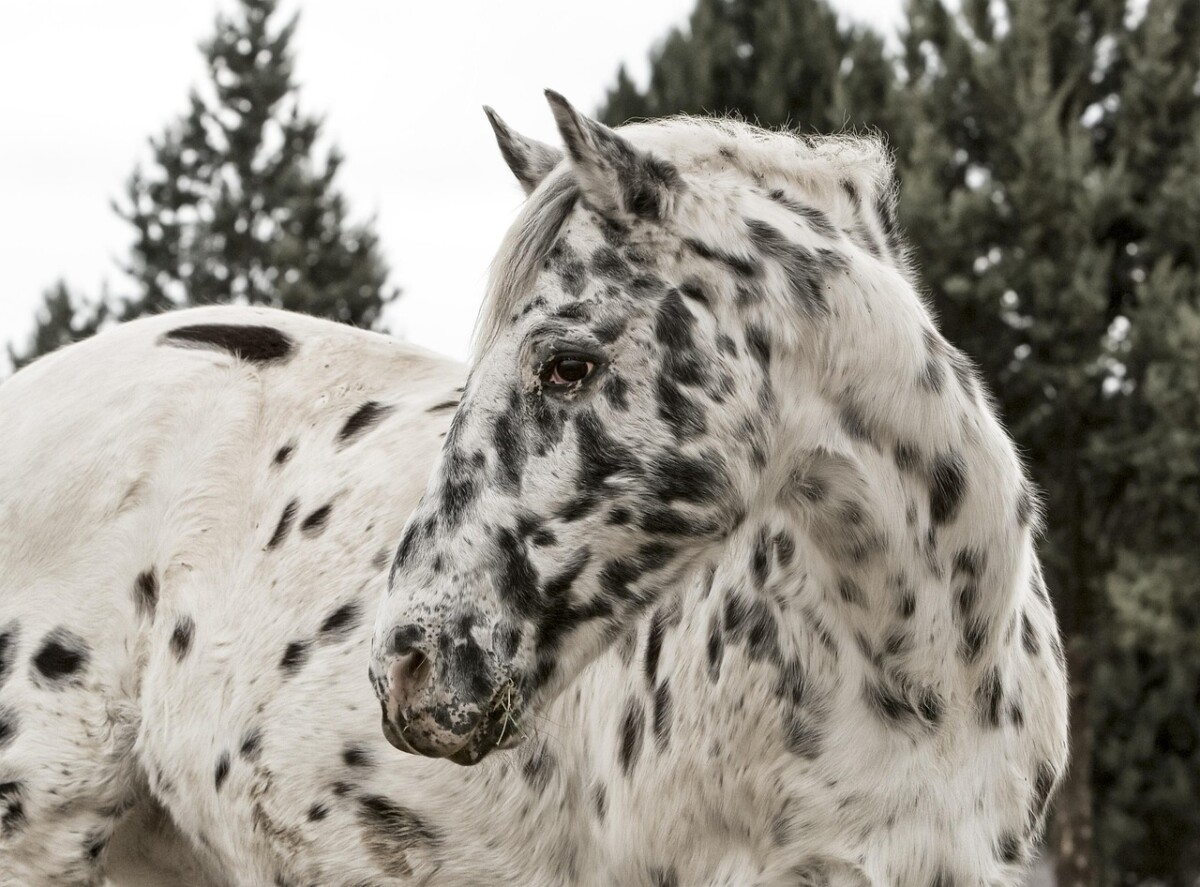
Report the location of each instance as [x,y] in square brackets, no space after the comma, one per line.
[821,166]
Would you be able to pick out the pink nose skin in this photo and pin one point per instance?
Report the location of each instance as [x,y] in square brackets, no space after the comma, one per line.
[409,674]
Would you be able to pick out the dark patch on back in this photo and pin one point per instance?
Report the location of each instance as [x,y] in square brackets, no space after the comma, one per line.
[62,655]
[667,877]
[391,832]
[283,454]
[285,524]
[370,413]
[181,637]
[316,521]
[317,812]
[446,406]
[254,344]
[145,593]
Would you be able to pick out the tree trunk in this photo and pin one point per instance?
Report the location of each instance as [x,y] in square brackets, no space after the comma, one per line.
[1073,835]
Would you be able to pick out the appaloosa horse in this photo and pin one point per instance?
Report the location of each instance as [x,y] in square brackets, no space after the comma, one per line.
[725,573]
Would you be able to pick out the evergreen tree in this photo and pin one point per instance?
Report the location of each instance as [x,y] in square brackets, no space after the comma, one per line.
[1049,154]
[1047,181]
[237,206]
[62,319]
[775,62]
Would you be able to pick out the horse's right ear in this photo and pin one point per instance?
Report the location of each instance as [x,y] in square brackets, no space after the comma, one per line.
[530,161]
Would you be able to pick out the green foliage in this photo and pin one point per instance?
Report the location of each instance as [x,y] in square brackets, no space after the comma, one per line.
[238,204]
[778,62]
[1049,154]
[238,207]
[1148,753]
[62,319]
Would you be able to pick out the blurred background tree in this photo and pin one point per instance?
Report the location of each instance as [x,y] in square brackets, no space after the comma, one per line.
[238,204]
[1049,154]
[63,318]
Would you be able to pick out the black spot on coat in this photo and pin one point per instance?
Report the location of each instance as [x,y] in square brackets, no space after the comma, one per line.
[251,744]
[12,808]
[181,637]
[370,413]
[254,344]
[947,487]
[294,656]
[633,725]
[145,593]
[284,525]
[341,620]
[222,770]
[391,832]
[61,656]
[8,649]
[316,521]
[9,724]
[662,716]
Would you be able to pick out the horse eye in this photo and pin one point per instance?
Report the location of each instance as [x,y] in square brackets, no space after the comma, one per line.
[562,372]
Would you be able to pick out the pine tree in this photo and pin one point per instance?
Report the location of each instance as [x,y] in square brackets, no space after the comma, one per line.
[63,318]
[1047,178]
[777,62]
[238,207]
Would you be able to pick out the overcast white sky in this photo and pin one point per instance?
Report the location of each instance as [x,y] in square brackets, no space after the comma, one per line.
[84,83]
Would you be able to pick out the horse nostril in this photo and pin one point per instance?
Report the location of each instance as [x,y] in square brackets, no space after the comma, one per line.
[409,673]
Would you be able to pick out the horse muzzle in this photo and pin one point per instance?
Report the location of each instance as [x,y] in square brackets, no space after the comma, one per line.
[423,713]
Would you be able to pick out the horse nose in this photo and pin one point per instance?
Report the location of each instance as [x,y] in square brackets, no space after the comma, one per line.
[409,674]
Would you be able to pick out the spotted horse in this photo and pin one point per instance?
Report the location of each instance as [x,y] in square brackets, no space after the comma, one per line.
[717,567]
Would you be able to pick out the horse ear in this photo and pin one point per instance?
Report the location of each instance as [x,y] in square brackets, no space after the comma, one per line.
[530,161]
[615,176]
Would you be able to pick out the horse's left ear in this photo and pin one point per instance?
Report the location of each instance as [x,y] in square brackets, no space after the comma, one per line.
[615,176]
[529,160]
